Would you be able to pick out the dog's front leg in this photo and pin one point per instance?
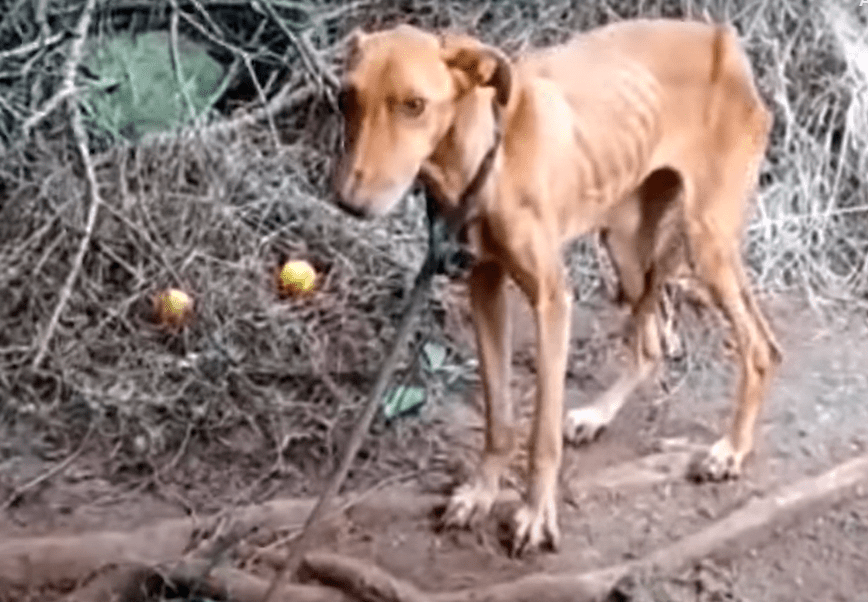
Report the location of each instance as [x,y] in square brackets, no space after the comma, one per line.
[536,523]
[489,304]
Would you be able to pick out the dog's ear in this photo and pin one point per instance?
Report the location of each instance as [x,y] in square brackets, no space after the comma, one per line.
[354,42]
[482,65]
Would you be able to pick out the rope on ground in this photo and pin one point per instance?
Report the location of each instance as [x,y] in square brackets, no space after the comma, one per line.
[421,286]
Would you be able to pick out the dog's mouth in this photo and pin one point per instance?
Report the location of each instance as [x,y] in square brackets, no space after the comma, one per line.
[357,212]
[364,203]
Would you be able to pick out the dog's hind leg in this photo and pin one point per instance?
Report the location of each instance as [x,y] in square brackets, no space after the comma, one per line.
[642,239]
[718,264]
[584,424]
[472,502]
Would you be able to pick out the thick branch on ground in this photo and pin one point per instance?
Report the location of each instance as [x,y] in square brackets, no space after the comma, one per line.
[231,584]
[52,561]
[372,584]
[361,579]
[136,581]
[58,560]
[742,528]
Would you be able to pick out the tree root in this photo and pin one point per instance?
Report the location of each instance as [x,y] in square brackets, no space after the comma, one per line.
[160,555]
[741,528]
[51,561]
[134,582]
[104,561]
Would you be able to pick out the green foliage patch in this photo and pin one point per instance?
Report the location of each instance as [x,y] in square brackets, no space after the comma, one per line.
[136,88]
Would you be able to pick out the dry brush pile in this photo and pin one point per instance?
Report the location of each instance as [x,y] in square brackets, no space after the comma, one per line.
[93,222]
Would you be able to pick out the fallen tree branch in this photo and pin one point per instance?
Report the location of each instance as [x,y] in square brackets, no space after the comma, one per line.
[52,561]
[742,527]
[135,581]
[49,561]
[370,583]
[55,560]
[224,583]
[362,580]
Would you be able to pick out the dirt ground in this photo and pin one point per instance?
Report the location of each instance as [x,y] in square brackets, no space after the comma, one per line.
[816,417]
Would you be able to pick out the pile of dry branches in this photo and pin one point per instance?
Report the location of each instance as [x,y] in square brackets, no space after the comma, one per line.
[90,235]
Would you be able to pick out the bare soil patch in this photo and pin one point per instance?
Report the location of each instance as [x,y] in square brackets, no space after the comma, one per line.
[625,497]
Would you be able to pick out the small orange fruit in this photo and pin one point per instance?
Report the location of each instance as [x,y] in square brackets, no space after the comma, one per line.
[296,276]
[173,308]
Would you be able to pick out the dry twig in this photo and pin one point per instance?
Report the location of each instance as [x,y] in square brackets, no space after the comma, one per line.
[33,46]
[320,73]
[95,204]
[68,88]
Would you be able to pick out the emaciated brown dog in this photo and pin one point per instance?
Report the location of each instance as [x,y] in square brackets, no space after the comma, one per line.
[649,131]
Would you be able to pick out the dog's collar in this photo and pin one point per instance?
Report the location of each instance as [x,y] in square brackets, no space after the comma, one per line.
[458,217]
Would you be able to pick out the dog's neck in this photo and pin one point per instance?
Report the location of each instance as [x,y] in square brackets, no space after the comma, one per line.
[461,165]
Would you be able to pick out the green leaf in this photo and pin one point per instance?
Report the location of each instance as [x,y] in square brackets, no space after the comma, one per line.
[435,355]
[401,400]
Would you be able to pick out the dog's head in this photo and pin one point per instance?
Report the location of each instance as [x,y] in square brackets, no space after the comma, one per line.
[398,100]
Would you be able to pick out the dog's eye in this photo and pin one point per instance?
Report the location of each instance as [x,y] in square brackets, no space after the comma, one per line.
[414,106]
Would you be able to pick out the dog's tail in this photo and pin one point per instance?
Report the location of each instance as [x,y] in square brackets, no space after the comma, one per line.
[733,92]
[720,76]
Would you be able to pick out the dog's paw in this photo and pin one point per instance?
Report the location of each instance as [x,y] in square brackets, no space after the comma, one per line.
[535,529]
[719,463]
[469,505]
[583,425]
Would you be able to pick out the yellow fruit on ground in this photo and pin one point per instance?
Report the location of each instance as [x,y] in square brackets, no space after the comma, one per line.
[297,276]
[173,307]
